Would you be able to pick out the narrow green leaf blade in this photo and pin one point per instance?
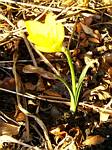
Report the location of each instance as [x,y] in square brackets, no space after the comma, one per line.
[81,78]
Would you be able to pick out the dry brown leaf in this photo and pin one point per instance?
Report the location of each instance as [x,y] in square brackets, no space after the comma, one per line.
[94,40]
[107,2]
[30,86]
[52,93]
[102,95]
[8,129]
[88,20]
[40,85]
[8,83]
[101,92]
[101,48]
[76,52]
[9,139]
[88,59]
[97,34]
[93,140]
[20,117]
[40,71]
[78,28]
[67,2]
[107,58]
[83,36]
[68,144]
[58,133]
[87,30]
[83,3]
[110,71]
[103,116]
[84,43]
[109,11]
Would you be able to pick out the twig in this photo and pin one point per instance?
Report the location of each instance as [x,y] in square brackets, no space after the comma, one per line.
[8,118]
[96,108]
[59,100]
[29,50]
[31,5]
[46,61]
[41,124]
[41,98]
[11,61]
[9,139]
[7,20]
[18,89]
[21,33]
[104,7]
[45,11]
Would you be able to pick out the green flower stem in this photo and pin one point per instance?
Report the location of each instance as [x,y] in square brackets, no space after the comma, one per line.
[73,101]
[72,97]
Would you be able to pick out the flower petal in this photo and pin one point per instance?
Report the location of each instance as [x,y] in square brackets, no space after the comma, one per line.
[48,36]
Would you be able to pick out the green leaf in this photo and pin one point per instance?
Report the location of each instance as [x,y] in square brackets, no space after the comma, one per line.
[81,78]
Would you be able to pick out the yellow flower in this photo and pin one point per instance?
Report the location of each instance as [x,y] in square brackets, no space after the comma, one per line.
[48,37]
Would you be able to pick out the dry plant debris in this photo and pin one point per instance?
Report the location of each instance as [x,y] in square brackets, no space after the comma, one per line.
[34,106]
